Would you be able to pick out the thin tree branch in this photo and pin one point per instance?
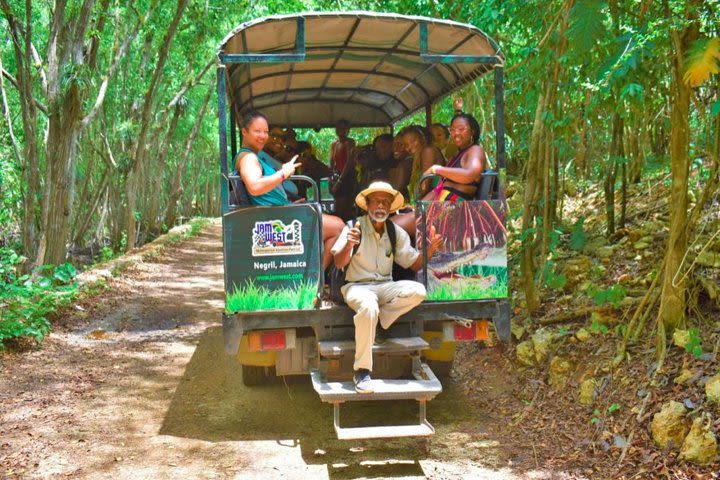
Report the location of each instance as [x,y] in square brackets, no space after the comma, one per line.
[189,85]
[6,114]
[14,83]
[544,39]
[111,71]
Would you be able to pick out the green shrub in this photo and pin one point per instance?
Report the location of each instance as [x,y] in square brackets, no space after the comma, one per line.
[26,301]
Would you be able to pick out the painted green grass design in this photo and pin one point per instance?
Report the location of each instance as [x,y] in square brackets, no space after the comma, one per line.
[254,297]
[470,291]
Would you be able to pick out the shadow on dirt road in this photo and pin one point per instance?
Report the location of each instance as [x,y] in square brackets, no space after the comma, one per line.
[212,404]
[138,386]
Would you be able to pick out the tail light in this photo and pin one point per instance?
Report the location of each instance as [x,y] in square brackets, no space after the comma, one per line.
[461,332]
[262,340]
[476,330]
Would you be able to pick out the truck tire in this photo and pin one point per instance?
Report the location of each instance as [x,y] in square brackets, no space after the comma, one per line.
[253,376]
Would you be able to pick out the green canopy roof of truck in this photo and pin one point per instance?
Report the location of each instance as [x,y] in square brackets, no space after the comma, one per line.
[313,69]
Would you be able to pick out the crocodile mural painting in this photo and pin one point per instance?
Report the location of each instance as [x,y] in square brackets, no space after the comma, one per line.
[472,264]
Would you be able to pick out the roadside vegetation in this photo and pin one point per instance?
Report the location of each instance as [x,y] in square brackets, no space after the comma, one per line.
[612,113]
[28,301]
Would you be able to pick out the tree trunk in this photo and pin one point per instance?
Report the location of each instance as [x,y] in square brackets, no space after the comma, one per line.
[28,109]
[611,175]
[138,153]
[153,213]
[673,297]
[63,130]
[532,182]
[176,189]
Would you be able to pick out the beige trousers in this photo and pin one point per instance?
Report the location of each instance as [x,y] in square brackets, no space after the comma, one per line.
[383,301]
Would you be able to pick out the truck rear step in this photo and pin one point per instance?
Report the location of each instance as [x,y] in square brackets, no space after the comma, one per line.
[424,388]
[335,348]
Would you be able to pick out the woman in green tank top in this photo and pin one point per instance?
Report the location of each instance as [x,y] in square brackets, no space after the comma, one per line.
[264,183]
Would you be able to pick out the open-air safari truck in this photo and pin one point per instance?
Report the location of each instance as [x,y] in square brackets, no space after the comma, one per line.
[309,71]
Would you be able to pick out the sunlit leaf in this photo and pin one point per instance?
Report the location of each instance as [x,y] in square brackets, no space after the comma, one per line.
[702,60]
[715,108]
[587,25]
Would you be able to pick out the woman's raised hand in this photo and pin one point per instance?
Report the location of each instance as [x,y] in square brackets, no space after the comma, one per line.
[458,104]
[289,167]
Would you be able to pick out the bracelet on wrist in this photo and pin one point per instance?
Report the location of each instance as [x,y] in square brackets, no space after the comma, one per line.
[282,175]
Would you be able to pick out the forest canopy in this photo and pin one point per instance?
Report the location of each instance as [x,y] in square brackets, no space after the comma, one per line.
[109,131]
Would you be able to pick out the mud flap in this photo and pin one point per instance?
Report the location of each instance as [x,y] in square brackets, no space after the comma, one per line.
[502,321]
[232,333]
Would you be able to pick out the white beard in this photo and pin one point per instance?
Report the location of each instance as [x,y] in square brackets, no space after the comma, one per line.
[379,216]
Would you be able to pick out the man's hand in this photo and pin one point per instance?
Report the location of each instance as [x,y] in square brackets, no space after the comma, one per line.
[342,258]
[354,235]
[436,242]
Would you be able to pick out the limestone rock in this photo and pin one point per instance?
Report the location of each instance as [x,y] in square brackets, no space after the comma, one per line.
[576,270]
[559,369]
[636,235]
[681,338]
[583,335]
[526,353]
[668,426]
[603,318]
[684,376]
[606,251]
[712,389]
[628,302]
[700,445]
[587,392]
[593,244]
[542,343]
[517,329]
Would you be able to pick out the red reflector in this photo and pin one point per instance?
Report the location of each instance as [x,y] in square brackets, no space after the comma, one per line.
[464,333]
[273,340]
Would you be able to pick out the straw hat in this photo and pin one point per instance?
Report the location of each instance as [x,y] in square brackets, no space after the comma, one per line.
[384,187]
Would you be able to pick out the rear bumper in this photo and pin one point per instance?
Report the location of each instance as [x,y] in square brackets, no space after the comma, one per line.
[234,325]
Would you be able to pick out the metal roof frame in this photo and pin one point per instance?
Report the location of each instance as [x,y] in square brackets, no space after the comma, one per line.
[287,56]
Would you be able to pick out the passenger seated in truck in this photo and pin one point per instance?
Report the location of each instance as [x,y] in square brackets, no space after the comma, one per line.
[264,182]
[384,161]
[401,168]
[419,144]
[341,149]
[368,164]
[441,139]
[309,164]
[278,154]
[367,252]
[460,178]
[363,168]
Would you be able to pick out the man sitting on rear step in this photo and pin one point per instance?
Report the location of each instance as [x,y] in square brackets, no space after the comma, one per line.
[371,291]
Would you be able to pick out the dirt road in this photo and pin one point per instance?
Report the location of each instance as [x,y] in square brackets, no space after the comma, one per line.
[137,385]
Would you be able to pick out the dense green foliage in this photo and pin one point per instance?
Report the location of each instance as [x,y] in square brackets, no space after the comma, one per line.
[26,301]
[120,120]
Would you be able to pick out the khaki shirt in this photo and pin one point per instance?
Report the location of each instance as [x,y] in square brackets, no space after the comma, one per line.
[373,260]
